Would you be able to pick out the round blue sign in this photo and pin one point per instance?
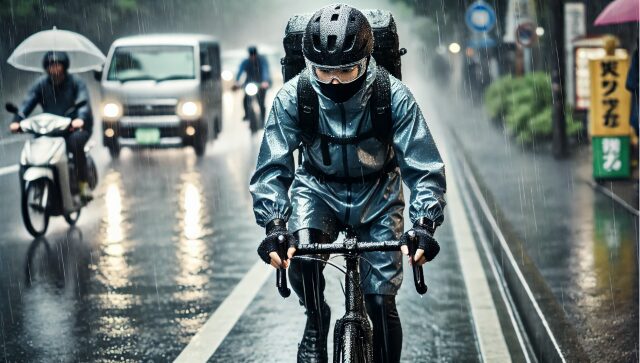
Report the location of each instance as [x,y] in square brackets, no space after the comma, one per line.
[480,17]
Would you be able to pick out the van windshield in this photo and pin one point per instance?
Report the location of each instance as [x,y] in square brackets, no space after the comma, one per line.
[157,63]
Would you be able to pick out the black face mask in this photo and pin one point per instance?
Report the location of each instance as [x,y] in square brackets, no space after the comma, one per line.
[339,93]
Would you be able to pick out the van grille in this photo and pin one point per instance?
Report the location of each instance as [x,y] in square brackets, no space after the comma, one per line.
[148,110]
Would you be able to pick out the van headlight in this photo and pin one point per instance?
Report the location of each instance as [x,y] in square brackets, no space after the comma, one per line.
[111,111]
[189,110]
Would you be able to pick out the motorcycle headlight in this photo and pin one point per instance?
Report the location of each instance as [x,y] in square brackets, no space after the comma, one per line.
[111,111]
[251,89]
[189,110]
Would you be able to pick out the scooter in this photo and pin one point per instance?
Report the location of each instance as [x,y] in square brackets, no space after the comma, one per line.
[47,171]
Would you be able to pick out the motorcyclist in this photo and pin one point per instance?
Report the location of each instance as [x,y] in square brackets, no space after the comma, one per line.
[57,92]
[360,186]
[256,68]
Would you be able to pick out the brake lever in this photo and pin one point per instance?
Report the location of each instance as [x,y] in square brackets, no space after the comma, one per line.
[281,273]
[418,273]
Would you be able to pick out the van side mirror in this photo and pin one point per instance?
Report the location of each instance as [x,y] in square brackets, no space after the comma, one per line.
[97,75]
[11,107]
[205,72]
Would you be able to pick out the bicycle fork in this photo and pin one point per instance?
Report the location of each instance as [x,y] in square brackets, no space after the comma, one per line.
[352,334]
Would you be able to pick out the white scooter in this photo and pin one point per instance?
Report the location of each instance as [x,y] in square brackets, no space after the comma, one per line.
[47,172]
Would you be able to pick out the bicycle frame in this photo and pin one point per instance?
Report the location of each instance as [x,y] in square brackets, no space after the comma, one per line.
[352,333]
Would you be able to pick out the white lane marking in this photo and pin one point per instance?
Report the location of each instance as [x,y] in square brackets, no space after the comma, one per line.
[9,169]
[491,341]
[11,140]
[503,243]
[207,340]
[502,288]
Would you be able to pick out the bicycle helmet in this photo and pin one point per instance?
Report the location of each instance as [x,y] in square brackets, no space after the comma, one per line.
[337,35]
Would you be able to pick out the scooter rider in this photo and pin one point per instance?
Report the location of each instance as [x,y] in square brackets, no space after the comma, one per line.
[57,92]
[256,68]
[352,180]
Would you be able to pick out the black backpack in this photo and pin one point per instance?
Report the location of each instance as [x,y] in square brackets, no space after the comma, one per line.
[386,52]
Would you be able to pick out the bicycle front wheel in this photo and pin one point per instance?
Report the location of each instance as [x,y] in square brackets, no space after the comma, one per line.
[354,346]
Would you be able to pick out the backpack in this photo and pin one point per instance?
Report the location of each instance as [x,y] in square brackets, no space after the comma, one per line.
[386,52]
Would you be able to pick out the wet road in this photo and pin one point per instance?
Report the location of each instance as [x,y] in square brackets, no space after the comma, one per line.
[168,239]
[165,242]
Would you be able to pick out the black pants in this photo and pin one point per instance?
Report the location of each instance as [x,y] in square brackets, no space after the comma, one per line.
[307,280]
[75,145]
[261,101]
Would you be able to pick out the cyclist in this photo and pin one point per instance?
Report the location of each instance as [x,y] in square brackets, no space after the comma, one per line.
[347,178]
[57,92]
[256,68]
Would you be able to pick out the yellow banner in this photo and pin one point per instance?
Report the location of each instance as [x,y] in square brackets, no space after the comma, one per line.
[610,101]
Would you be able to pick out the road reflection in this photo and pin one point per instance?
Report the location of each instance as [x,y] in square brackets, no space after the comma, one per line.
[192,253]
[114,272]
[56,276]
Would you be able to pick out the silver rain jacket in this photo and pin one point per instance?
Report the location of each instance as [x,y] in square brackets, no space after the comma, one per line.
[375,208]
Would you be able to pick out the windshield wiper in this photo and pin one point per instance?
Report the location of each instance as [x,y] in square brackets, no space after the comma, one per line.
[173,78]
[141,78]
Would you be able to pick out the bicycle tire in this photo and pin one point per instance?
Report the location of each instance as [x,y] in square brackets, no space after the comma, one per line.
[353,345]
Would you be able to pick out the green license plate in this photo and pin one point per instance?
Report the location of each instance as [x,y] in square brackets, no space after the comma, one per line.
[148,136]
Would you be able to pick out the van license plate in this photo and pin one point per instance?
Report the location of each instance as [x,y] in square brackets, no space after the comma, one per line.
[147,136]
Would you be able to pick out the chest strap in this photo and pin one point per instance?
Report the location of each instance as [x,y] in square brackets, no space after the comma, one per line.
[323,177]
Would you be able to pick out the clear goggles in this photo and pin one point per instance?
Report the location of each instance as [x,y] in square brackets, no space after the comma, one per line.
[343,74]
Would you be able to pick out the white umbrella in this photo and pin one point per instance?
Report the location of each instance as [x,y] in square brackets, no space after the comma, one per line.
[83,55]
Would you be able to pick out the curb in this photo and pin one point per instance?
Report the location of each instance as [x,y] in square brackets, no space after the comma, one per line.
[552,337]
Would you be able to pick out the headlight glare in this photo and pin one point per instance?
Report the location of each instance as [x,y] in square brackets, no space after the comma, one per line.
[111,110]
[189,110]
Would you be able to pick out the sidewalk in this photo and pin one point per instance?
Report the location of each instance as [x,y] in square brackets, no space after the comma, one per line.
[582,242]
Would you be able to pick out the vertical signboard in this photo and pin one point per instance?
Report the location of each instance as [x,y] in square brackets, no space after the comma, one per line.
[609,117]
[575,26]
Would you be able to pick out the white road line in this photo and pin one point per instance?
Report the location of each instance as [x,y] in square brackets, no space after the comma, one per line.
[491,341]
[205,343]
[507,251]
[502,288]
[9,169]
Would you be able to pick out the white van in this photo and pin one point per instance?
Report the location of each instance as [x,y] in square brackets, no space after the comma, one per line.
[161,90]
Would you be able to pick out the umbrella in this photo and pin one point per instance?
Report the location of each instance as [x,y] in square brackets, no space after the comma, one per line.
[619,11]
[83,55]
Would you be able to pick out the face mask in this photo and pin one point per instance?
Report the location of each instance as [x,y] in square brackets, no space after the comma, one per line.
[339,93]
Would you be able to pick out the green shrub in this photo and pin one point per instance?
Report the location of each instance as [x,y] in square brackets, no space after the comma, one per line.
[524,104]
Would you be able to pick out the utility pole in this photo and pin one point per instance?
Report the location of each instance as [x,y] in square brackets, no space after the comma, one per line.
[557,79]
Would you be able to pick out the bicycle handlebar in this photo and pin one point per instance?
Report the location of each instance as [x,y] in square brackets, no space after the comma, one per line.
[348,246]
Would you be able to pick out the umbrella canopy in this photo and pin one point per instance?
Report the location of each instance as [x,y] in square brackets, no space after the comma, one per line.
[83,55]
[619,11]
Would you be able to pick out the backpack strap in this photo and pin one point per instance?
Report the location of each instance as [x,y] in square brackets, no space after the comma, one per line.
[308,108]
[380,104]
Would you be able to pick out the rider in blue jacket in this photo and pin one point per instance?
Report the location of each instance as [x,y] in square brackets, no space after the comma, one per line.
[256,70]
[354,184]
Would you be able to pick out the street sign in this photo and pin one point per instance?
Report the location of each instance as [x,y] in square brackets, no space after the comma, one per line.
[610,104]
[480,17]
[611,157]
[526,34]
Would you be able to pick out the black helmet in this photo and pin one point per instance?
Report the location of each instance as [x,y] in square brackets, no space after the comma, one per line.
[55,57]
[337,35]
[252,50]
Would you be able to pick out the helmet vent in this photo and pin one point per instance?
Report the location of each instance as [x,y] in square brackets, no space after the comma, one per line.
[334,17]
[338,7]
[317,20]
[331,43]
[349,42]
[316,42]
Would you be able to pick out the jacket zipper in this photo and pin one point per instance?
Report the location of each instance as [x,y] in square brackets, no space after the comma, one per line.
[345,163]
